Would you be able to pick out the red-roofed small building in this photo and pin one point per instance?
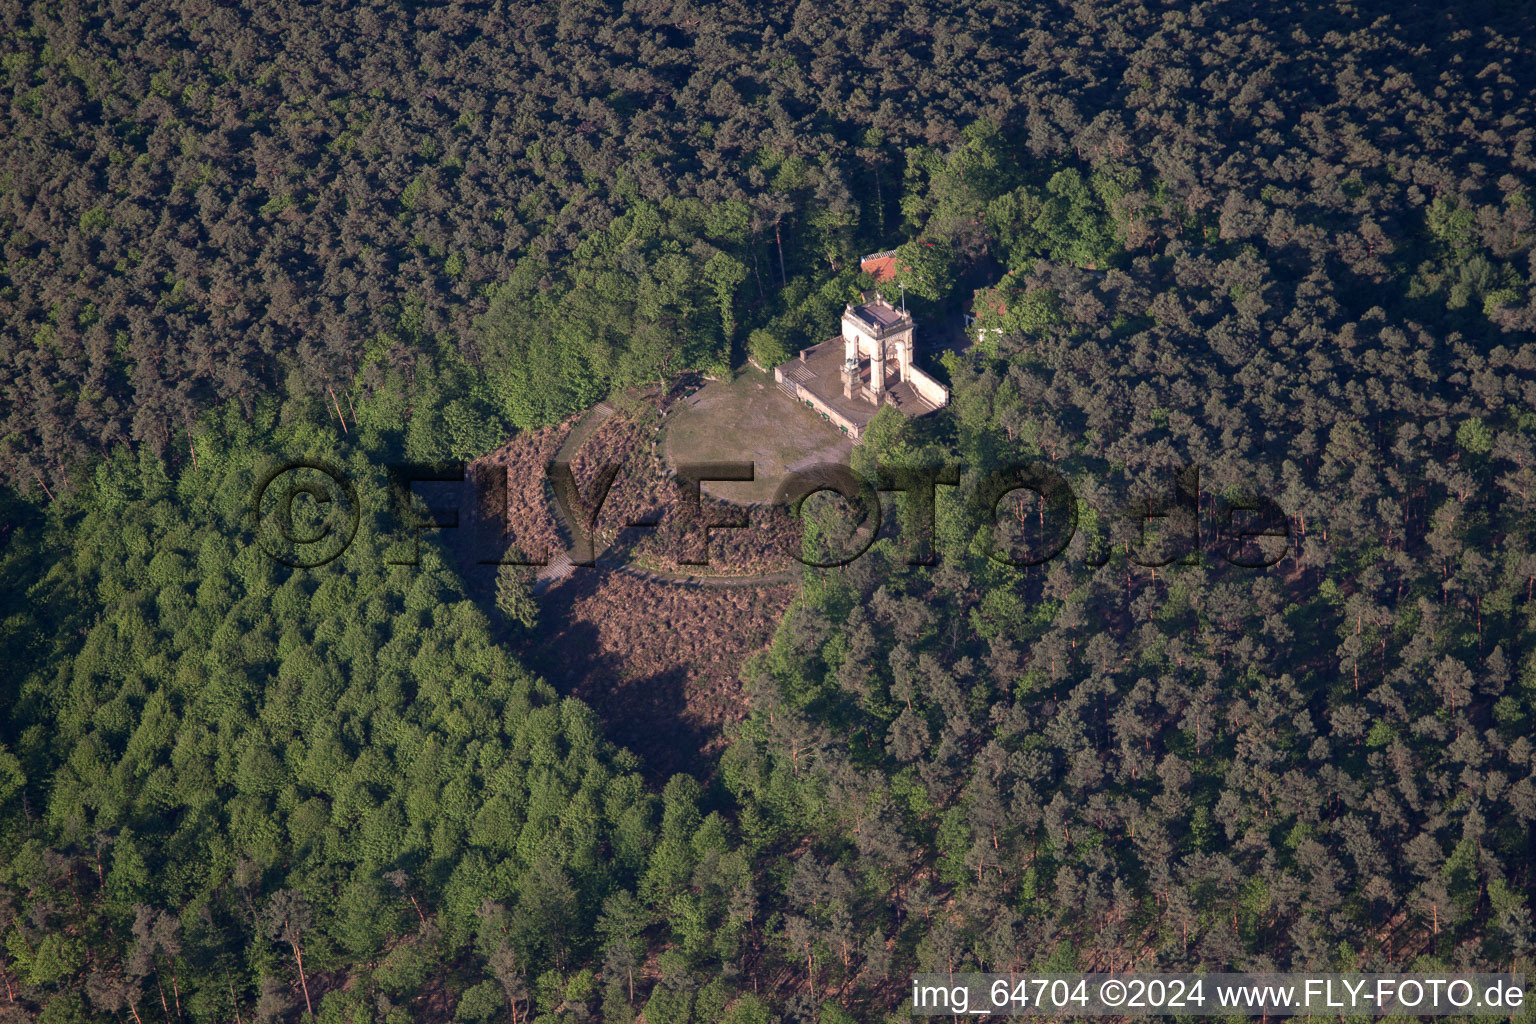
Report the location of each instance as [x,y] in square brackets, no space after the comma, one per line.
[880,265]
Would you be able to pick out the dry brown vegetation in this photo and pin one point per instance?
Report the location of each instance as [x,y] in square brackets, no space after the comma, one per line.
[646,490]
[658,660]
[531,525]
[654,644]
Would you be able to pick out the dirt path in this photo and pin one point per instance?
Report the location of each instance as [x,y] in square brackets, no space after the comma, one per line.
[584,429]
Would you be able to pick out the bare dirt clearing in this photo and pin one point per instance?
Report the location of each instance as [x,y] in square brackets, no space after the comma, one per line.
[750,419]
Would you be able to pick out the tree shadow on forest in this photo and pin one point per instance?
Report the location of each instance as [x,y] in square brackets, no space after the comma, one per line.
[1468,14]
[647,715]
[1436,23]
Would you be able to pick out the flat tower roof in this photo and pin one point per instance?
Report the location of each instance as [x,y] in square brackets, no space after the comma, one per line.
[879,314]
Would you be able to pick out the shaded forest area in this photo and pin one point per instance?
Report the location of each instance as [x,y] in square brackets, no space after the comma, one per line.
[1290,244]
[199,206]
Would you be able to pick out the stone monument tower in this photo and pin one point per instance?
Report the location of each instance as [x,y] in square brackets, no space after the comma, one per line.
[880,336]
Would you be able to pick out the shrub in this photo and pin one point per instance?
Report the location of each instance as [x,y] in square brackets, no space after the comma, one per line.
[767,349]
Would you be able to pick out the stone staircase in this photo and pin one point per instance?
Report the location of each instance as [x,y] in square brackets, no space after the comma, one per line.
[793,376]
[556,572]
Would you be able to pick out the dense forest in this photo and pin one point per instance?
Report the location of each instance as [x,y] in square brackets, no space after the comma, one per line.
[1230,251]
